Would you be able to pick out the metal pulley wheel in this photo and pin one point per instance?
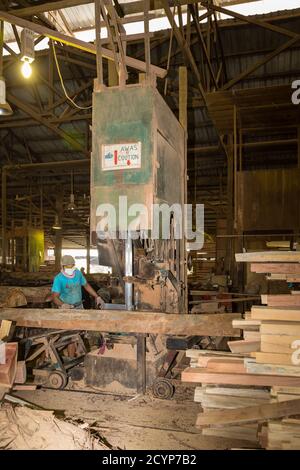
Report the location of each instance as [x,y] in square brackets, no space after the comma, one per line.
[57,380]
[163,388]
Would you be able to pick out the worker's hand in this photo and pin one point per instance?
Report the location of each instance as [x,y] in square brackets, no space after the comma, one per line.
[99,302]
[66,306]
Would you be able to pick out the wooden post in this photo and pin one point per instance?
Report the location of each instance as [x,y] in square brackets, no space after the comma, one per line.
[88,253]
[113,77]
[298,147]
[183,84]
[141,363]
[58,233]
[147,38]
[50,74]
[98,43]
[183,119]
[142,77]
[4,214]
[229,253]
[235,163]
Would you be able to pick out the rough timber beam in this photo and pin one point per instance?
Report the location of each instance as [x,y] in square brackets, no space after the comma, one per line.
[128,8]
[73,143]
[77,43]
[124,321]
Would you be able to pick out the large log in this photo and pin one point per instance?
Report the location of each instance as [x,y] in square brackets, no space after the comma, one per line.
[124,321]
[12,298]
[31,294]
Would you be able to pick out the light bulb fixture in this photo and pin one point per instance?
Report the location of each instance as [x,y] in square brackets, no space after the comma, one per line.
[26,69]
[56,225]
[27,52]
[5,109]
[72,206]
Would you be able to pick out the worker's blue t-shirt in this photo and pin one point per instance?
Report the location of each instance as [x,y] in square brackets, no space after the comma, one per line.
[69,288]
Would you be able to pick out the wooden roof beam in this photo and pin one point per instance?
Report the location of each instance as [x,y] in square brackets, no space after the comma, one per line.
[77,43]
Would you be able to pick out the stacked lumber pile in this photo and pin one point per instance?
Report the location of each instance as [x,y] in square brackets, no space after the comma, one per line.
[225,386]
[254,392]
[278,354]
[277,265]
[238,404]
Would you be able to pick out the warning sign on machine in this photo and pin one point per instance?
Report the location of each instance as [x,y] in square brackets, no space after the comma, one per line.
[121,156]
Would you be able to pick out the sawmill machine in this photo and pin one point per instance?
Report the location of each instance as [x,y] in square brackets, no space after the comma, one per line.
[138,163]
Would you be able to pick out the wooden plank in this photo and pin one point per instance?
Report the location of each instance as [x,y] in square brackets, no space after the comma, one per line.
[249,414]
[196,353]
[25,387]
[277,344]
[206,361]
[280,328]
[226,402]
[8,370]
[238,392]
[21,372]
[285,314]
[252,325]
[233,432]
[275,268]
[223,366]
[243,346]
[197,375]
[281,300]
[287,390]
[5,328]
[252,335]
[124,321]
[268,256]
[273,358]
[253,367]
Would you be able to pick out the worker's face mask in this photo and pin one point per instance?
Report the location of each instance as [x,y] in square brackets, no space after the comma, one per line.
[69,271]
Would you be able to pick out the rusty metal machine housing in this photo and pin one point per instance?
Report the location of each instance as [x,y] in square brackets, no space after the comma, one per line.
[139,151]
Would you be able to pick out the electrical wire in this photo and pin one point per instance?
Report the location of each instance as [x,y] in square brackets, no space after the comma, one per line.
[62,82]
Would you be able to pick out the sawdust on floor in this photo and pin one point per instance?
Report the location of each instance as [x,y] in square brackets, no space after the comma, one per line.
[142,422]
[22,428]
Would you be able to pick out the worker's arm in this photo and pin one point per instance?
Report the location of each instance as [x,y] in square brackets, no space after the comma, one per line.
[56,300]
[93,293]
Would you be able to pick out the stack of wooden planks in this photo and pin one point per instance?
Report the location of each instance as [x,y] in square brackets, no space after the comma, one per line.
[257,383]
[239,405]
[277,265]
[235,403]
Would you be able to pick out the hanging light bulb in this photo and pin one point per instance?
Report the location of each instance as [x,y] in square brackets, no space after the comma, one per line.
[57,224]
[72,205]
[26,69]
[27,52]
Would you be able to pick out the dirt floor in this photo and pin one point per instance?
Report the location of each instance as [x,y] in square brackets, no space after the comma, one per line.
[140,422]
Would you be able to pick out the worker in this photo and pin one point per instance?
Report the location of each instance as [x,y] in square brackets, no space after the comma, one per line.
[66,289]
